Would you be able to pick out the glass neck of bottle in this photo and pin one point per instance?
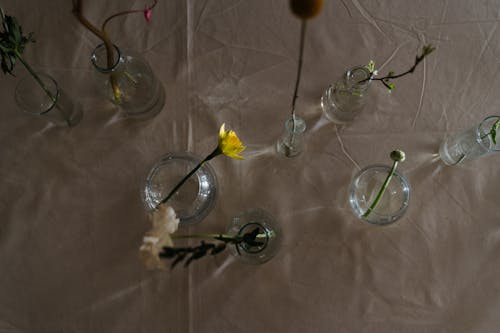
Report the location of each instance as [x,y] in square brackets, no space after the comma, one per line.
[262,237]
[357,78]
[99,59]
[295,127]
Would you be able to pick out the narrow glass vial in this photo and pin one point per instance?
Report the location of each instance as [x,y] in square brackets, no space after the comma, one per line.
[291,142]
[345,99]
[268,237]
[129,83]
[471,144]
[52,103]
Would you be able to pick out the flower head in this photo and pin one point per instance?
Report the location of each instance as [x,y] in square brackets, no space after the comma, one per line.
[229,143]
[306,9]
[164,223]
[147,13]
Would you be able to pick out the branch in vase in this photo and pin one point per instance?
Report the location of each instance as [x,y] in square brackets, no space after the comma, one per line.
[103,36]
[386,80]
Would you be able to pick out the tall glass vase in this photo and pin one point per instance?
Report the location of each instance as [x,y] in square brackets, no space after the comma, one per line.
[268,238]
[290,144]
[346,98]
[40,95]
[470,144]
[129,83]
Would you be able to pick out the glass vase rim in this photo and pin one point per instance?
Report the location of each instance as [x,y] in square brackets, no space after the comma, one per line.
[190,157]
[349,71]
[402,182]
[300,126]
[48,78]
[478,133]
[119,59]
[262,227]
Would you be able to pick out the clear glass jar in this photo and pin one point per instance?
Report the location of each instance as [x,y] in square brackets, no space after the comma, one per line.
[291,142]
[471,144]
[345,99]
[194,200]
[51,103]
[365,187]
[269,236]
[129,83]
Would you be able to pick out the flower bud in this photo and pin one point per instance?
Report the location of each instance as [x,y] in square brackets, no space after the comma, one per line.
[306,9]
[398,155]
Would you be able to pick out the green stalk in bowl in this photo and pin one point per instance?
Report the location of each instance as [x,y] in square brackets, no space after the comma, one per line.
[397,156]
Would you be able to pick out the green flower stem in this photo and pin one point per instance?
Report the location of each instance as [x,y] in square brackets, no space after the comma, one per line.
[382,190]
[216,152]
[42,85]
[213,236]
[35,76]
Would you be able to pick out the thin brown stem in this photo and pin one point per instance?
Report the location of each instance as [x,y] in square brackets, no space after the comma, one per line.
[299,67]
[110,55]
[126,12]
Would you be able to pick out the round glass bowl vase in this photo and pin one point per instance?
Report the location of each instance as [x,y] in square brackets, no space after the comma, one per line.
[268,238]
[194,200]
[346,98]
[365,187]
[129,83]
[40,95]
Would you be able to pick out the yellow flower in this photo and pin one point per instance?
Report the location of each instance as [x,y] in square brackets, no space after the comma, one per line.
[229,143]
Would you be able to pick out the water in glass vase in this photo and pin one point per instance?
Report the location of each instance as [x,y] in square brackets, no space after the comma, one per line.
[365,188]
[464,146]
[345,99]
[192,201]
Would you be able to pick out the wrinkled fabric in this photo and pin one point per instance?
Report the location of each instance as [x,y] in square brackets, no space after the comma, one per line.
[72,218]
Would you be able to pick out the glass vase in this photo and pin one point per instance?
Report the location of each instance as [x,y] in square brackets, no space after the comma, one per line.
[291,142]
[269,236]
[470,144]
[42,96]
[194,200]
[365,187]
[129,83]
[346,98]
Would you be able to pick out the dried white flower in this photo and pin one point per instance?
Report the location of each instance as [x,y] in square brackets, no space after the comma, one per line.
[165,223]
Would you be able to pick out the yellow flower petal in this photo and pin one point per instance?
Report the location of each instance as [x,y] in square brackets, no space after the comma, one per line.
[230,144]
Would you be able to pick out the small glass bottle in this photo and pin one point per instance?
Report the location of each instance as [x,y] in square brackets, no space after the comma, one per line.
[269,236]
[129,83]
[291,142]
[345,99]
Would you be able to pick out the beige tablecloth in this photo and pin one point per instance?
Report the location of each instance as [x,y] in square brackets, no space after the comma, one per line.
[71,212]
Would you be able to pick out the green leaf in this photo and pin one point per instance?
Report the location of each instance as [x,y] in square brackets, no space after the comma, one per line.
[391,85]
[12,42]
[494,136]
[370,66]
